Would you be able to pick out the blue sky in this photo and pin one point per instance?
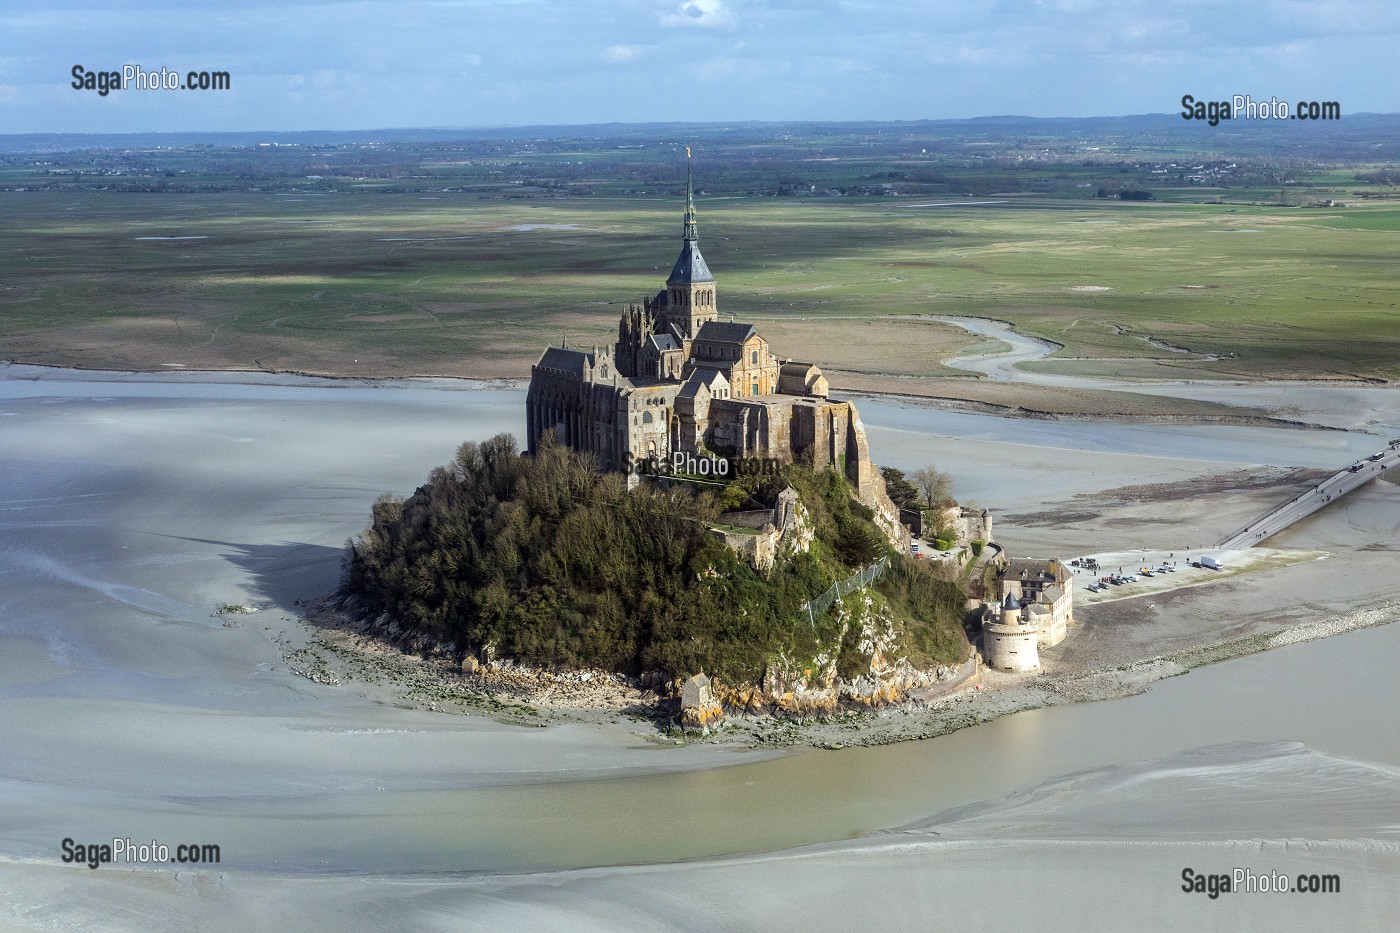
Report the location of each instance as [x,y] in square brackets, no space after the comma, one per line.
[364,65]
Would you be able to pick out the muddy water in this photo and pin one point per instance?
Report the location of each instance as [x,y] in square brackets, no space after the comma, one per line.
[1345,404]
[130,511]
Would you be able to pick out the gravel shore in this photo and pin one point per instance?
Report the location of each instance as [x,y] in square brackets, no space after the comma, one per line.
[341,651]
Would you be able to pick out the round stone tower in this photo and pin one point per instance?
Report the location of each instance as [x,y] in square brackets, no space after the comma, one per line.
[1009,638]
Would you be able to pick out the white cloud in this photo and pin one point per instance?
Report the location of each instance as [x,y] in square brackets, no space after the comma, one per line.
[704,14]
[624,53]
[979,55]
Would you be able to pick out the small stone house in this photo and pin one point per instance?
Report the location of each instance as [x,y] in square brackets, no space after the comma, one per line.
[696,692]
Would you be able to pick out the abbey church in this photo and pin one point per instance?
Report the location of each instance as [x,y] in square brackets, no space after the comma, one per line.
[680,380]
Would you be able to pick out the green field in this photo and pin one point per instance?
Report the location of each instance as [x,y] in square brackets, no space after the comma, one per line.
[358,281]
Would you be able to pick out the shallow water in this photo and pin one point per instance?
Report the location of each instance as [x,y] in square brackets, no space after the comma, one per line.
[1220,443]
[131,510]
[1344,404]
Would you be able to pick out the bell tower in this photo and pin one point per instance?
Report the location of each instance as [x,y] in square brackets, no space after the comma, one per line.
[690,290]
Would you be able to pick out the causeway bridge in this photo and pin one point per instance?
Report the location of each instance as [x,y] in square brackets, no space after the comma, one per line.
[1331,489]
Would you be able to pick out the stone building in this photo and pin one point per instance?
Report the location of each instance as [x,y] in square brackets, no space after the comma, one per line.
[678,380]
[967,525]
[760,535]
[1034,611]
[700,711]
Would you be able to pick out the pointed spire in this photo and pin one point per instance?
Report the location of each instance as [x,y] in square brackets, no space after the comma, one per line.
[690,265]
[690,234]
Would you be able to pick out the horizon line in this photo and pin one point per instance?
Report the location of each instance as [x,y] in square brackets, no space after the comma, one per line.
[488,127]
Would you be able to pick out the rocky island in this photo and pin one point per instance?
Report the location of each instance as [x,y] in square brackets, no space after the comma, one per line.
[692,512]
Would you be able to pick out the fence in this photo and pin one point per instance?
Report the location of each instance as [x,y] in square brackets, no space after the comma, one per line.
[858,580]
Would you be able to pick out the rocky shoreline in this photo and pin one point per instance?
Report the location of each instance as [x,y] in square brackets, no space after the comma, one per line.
[413,673]
[347,647]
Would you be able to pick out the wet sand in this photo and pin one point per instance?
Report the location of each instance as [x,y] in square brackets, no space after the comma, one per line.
[134,508]
[1102,849]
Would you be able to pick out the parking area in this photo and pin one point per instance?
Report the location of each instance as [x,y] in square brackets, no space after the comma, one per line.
[1125,574]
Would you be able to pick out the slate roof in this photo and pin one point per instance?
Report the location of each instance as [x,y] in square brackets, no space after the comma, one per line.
[690,266]
[725,332]
[701,376]
[565,359]
[691,387]
[664,342]
[1030,568]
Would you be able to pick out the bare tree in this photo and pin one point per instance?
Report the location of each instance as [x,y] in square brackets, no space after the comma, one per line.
[934,484]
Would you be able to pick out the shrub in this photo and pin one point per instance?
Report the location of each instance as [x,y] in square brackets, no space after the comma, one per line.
[555,562]
[930,599]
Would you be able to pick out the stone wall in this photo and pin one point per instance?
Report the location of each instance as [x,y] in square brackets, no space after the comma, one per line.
[967,525]
[1061,613]
[755,518]
[759,548]
[786,526]
[1011,646]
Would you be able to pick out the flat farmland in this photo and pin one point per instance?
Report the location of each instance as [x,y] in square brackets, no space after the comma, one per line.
[369,283]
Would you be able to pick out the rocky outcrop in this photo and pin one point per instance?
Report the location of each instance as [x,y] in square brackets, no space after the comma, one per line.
[792,688]
[813,687]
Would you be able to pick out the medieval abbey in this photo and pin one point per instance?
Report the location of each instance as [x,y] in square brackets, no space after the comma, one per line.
[679,380]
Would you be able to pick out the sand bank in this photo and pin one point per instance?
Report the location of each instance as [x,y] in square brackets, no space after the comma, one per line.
[132,512]
[1100,850]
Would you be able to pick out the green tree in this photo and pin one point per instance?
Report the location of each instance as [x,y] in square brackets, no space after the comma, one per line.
[556,563]
[901,492]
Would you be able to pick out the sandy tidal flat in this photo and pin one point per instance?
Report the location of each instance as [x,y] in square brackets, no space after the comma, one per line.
[132,509]
[1099,850]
